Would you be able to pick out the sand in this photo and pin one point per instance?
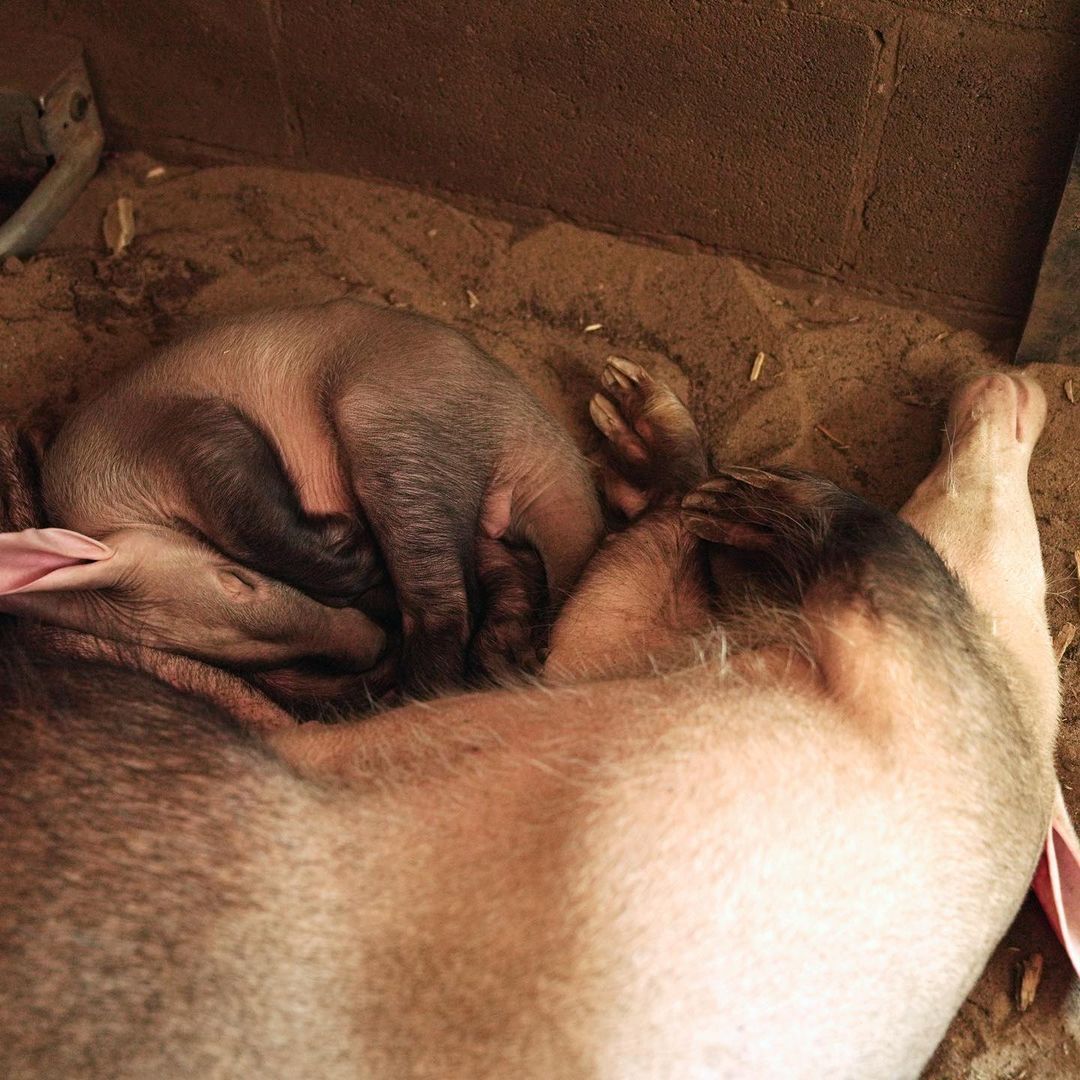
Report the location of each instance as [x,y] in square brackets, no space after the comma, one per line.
[848,386]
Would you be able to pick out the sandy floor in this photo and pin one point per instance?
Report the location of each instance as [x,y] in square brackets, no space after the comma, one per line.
[849,387]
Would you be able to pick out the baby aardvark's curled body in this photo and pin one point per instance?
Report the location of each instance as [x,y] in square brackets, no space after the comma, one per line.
[256,479]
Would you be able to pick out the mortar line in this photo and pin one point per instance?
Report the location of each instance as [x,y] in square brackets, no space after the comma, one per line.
[867,164]
[294,129]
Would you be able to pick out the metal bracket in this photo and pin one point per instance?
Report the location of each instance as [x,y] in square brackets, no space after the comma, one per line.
[48,120]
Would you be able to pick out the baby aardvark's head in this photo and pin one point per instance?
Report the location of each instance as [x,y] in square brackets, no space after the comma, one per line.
[158,587]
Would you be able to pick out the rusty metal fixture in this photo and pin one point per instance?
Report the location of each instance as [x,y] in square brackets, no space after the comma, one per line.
[1052,334]
[49,131]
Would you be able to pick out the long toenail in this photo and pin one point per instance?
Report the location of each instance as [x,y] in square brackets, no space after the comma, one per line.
[612,377]
[717,483]
[632,371]
[751,477]
[605,416]
[700,500]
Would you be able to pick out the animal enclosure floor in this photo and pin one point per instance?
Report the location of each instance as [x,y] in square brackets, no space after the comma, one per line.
[847,386]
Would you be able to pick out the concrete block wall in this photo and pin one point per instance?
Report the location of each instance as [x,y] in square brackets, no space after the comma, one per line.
[915,147]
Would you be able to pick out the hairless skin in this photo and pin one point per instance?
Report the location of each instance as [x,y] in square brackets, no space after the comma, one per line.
[782,764]
[258,481]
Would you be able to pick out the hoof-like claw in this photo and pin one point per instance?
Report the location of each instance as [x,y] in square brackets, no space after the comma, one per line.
[788,517]
[781,511]
[653,448]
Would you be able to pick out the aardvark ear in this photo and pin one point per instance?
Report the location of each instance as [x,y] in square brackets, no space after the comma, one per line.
[49,560]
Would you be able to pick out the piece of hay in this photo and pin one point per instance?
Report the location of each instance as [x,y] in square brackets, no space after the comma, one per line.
[593,327]
[474,300]
[119,225]
[759,363]
[837,443]
[1026,978]
[1070,392]
[1062,640]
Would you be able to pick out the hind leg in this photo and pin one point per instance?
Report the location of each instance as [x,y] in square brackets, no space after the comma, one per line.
[644,596]
[653,449]
[975,509]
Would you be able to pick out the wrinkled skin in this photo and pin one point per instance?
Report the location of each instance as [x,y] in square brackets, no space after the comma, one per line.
[784,765]
[167,591]
[298,484]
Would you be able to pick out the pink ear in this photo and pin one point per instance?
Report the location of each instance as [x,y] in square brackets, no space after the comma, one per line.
[1057,879]
[27,558]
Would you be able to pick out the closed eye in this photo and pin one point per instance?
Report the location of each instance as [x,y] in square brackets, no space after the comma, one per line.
[237,583]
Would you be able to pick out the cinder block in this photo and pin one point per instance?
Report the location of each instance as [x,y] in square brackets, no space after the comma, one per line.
[191,69]
[974,153]
[733,125]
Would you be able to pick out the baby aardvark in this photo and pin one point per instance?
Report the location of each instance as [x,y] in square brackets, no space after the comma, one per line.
[252,482]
